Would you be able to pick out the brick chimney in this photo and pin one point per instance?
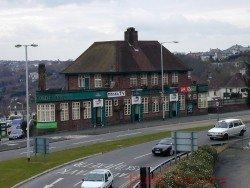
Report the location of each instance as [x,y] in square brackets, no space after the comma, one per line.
[41,77]
[131,35]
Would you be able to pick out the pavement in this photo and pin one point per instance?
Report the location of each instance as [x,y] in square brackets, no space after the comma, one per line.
[234,166]
[124,164]
[76,139]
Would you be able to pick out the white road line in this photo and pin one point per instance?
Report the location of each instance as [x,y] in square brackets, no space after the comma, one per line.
[142,155]
[128,134]
[25,152]
[77,184]
[52,184]
[87,141]
[52,147]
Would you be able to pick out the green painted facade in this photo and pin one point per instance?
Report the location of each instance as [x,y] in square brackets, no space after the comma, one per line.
[46,125]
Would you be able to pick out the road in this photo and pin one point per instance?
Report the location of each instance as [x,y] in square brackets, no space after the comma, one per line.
[124,164]
[80,140]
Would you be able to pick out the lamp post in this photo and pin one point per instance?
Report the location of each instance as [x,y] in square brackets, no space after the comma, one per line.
[162,75]
[27,94]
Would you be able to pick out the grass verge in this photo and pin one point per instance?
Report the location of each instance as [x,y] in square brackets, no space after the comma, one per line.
[17,170]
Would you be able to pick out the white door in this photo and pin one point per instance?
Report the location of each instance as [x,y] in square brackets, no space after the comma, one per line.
[230,129]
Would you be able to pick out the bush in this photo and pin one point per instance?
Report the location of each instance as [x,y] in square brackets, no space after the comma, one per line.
[193,172]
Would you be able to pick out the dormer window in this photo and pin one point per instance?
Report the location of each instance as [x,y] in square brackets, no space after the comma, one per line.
[154,79]
[175,78]
[98,80]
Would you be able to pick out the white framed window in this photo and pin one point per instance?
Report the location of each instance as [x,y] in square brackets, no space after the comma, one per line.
[64,113]
[145,105]
[127,107]
[165,103]
[144,80]
[46,112]
[202,100]
[165,79]
[87,109]
[76,110]
[108,108]
[174,78]
[133,80]
[116,102]
[154,79]
[98,80]
[182,102]
[155,104]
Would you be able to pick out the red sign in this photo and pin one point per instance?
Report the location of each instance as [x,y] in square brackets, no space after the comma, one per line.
[185,89]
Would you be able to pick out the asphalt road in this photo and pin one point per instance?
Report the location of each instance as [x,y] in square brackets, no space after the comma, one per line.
[123,163]
[80,140]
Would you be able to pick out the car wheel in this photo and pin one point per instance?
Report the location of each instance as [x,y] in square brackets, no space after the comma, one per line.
[171,152]
[111,186]
[242,133]
[211,138]
[226,137]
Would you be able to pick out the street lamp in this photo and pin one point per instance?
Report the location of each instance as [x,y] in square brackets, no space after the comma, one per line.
[162,75]
[27,94]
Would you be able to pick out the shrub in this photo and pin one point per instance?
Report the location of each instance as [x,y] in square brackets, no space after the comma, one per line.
[193,172]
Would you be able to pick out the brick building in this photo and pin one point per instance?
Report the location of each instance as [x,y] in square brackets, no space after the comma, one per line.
[116,82]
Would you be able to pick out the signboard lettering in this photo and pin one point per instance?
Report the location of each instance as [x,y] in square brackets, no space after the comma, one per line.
[173,97]
[114,94]
[97,102]
[136,99]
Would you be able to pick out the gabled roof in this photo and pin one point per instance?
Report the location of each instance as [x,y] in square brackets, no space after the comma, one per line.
[236,81]
[122,57]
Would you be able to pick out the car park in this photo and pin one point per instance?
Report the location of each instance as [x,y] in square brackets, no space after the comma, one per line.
[164,147]
[224,129]
[99,178]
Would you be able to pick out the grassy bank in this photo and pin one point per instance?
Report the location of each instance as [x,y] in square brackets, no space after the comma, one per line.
[17,170]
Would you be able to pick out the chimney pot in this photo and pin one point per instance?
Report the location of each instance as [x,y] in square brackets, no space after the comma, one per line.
[131,35]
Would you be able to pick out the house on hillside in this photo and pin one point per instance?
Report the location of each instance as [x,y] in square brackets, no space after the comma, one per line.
[116,82]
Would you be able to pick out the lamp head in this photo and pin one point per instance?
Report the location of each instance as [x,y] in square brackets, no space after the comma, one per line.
[34,45]
[18,45]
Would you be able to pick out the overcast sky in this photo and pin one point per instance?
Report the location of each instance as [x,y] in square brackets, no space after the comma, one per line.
[64,29]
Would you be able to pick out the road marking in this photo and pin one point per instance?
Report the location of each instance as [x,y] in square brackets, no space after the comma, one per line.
[25,152]
[87,141]
[142,155]
[77,184]
[122,135]
[52,147]
[52,184]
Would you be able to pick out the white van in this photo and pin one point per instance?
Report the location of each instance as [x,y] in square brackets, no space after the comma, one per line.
[226,128]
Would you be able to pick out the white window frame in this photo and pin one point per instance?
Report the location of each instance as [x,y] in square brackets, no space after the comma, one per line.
[144,80]
[81,81]
[182,102]
[133,80]
[154,79]
[87,110]
[108,108]
[46,112]
[165,103]
[76,110]
[165,79]
[116,102]
[202,100]
[64,111]
[145,105]
[155,104]
[175,78]
[127,107]
[98,80]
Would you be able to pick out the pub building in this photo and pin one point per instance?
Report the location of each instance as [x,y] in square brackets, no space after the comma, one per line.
[119,82]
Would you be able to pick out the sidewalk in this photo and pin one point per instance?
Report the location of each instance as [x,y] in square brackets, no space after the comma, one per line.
[234,167]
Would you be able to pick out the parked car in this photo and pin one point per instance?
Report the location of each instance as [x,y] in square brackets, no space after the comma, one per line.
[17,124]
[164,147]
[226,128]
[99,178]
[16,134]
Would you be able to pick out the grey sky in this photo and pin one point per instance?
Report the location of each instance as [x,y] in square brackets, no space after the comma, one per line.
[65,28]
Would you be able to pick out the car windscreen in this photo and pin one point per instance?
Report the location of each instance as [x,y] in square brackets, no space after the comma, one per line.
[165,142]
[94,177]
[16,122]
[222,124]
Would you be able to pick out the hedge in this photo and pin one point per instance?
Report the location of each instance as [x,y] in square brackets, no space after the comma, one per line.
[195,171]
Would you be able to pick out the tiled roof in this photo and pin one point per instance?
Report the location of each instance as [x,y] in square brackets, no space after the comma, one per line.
[120,56]
[236,81]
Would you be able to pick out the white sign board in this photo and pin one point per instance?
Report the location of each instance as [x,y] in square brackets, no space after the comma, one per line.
[185,141]
[173,97]
[97,102]
[113,94]
[136,99]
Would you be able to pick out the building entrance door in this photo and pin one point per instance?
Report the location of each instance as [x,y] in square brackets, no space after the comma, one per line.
[98,115]
[174,109]
[137,113]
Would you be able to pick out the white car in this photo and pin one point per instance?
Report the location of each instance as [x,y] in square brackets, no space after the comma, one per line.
[226,128]
[99,178]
